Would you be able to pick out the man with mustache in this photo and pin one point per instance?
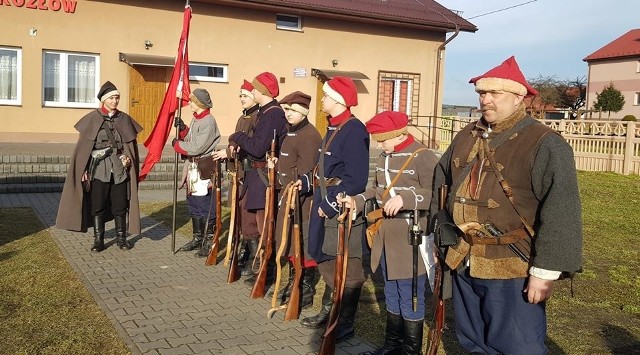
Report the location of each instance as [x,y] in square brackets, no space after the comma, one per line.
[514,193]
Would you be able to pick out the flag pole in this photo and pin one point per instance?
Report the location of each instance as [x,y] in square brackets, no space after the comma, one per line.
[176,124]
[175,183]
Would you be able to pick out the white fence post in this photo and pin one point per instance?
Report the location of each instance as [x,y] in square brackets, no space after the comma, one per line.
[628,147]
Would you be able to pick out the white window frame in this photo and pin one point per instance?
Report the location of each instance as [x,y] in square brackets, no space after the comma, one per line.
[638,66]
[287,28]
[18,100]
[223,79]
[64,62]
[636,99]
[396,94]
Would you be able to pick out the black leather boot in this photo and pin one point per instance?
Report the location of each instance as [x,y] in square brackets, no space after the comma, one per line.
[392,338]
[285,292]
[412,339]
[98,234]
[121,232]
[208,239]
[243,254]
[309,281]
[249,269]
[348,309]
[270,277]
[198,230]
[320,319]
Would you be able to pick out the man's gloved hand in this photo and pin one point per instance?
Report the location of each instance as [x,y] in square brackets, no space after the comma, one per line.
[180,124]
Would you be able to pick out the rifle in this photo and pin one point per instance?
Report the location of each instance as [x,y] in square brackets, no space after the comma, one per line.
[212,258]
[258,290]
[328,345]
[437,324]
[416,239]
[234,229]
[293,307]
[284,239]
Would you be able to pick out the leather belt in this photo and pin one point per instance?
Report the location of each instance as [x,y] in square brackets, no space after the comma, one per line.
[334,181]
[258,164]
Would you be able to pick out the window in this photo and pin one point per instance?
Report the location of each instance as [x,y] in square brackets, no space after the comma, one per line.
[70,79]
[209,72]
[638,66]
[288,22]
[636,99]
[398,92]
[10,76]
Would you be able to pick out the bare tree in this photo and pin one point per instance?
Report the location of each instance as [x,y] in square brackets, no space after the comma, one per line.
[548,95]
[573,94]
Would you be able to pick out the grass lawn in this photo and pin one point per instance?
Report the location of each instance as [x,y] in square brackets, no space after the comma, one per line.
[45,309]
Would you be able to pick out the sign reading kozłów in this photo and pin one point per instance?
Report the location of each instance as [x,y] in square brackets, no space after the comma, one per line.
[68,6]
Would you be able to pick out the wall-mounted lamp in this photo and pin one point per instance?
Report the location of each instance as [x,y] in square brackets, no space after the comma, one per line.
[33,31]
[147,44]
[334,62]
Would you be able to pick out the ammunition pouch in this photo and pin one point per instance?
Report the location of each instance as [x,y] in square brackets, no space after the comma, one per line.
[446,232]
[246,164]
[206,166]
[374,220]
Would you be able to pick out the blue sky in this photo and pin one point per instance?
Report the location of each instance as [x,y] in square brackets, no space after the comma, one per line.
[548,37]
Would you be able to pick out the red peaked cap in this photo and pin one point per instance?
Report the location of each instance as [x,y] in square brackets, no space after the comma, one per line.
[267,84]
[246,86]
[247,89]
[506,77]
[343,90]
[387,125]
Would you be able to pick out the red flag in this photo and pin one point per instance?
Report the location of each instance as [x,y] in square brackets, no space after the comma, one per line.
[178,90]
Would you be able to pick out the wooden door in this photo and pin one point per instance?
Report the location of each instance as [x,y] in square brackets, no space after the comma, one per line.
[146,92]
[321,117]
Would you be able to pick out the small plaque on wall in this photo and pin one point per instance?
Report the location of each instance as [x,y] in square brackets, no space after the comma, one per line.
[299,72]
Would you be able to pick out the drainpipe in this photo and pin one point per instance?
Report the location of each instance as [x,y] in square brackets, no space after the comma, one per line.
[437,86]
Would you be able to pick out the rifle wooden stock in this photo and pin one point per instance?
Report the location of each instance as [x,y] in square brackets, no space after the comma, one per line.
[212,258]
[293,307]
[284,238]
[232,217]
[234,273]
[328,345]
[437,324]
[258,290]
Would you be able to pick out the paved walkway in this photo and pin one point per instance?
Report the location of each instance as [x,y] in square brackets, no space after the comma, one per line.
[172,304]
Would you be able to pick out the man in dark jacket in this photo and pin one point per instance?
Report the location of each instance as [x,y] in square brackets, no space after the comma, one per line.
[343,166]
[514,194]
[271,124]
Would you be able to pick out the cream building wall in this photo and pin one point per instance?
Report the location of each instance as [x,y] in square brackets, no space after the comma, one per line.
[625,76]
[246,40]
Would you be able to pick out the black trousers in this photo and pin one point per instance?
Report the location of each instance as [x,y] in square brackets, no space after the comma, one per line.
[105,194]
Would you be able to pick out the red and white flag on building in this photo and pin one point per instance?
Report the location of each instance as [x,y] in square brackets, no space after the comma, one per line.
[177,95]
